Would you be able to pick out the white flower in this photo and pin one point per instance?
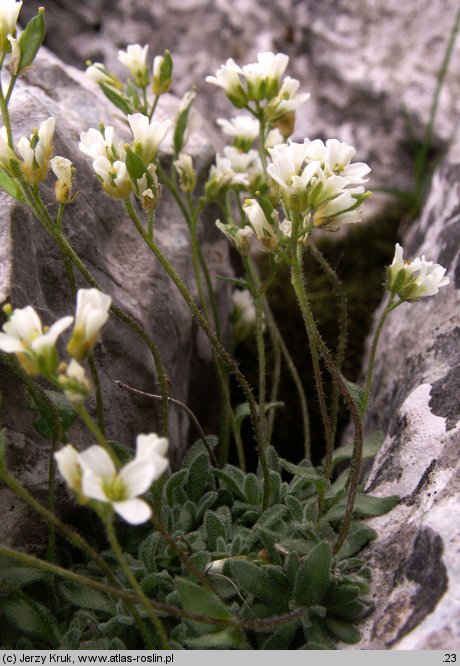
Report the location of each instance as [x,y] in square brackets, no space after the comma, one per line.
[135,59]
[286,102]
[114,177]
[74,382]
[67,460]
[6,154]
[412,280]
[228,78]
[102,482]
[153,449]
[9,12]
[293,176]
[91,314]
[62,169]
[162,73]
[97,73]
[94,143]
[266,232]
[263,77]
[243,128]
[273,138]
[148,135]
[239,237]
[335,157]
[187,175]
[36,151]
[243,305]
[34,346]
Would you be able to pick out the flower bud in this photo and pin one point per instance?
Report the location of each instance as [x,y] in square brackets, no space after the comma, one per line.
[162,73]
[62,169]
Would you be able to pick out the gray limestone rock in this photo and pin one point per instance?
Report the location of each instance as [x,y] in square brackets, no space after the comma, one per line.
[416,401]
[32,272]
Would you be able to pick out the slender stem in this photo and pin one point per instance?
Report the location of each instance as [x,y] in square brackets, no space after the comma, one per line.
[276,377]
[68,252]
[356,459]
[154,106]
[297,281]
[186,561]
[73,537]
[276,334]
[98,390]
[262,136]
[96,432]
[343,326]
[370,368]
[423,154]
[150,222]
[157,623]
[180,404]
[4,110]
[215,342]
[257,295]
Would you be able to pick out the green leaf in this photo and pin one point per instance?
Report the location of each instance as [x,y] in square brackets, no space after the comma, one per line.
[252,578]
[174,481]
[31,618]
[339,595]
[367,506]
[18,574]
[358,536]
[116,98]
[224,639]
[233,478]
[251,489]
[313,576]
[344,631]
[197,476]
[196,599]
[272,515]
[46,423]
[238,281]
[371,447]
[281,638]
[11,187]
[31,39]
[85,597]
[205,503]
[317,638]
[181,124]
[197,449]
[308,472]
[214,527]
[357,393]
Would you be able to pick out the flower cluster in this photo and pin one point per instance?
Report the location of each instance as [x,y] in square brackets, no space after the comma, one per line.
[35,345]
[261,83]
[110,160]
[412,280]
[93,475]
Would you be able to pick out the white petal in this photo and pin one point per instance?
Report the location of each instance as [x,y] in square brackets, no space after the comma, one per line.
[91,486]
[98,461]
[10,344]
[137,476]
[134,511]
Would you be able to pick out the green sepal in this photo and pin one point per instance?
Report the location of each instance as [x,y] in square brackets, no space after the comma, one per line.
[117,99]
[31,39]
[313,576]
[10,186]
[137,169]
[180,127]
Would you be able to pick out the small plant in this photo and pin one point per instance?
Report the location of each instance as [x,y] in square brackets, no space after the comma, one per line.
[211,555]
